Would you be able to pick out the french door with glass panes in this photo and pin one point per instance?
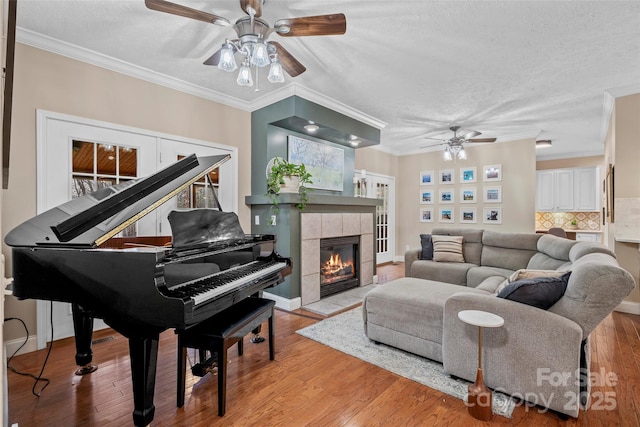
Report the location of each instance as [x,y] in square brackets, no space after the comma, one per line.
[76,156]
[383,187]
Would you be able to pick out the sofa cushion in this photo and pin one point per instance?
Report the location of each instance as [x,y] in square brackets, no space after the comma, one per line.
[449,272]
[447,248]
[508,250]
[541,292]
[477,275]
[427,246]
[471,238]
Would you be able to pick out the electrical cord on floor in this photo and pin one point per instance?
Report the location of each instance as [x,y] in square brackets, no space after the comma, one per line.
[39,378]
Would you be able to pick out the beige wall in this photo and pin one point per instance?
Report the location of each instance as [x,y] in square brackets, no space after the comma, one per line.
[518,160]
[377,161]
[623,137]
[574,162]
[59,84]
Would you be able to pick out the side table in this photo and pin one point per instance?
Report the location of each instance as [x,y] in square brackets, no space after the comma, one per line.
[480,398]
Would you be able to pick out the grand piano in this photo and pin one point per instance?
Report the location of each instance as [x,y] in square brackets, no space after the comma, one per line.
[141,291]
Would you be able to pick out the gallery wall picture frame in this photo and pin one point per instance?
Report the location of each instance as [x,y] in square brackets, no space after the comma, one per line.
[426,214]
[493,194]
[468,215]
[426,197]
[446,214]
[492,173]
[492,215]
[447,196]
[446,176]
[468,195]
[468,175]
[426,178]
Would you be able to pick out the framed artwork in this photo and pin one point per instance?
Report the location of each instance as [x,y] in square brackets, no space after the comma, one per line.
[492,173]
[446,196]
[426,178]
[324,162]
[468,215]
[426,215]
[426,197]
[467,174]
[446,215]
[468,195]
[446,176]
[492,215]
[493,194]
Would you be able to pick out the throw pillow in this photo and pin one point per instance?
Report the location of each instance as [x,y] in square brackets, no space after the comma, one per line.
[524,273]
[447,248]
[427,246]
[541,292]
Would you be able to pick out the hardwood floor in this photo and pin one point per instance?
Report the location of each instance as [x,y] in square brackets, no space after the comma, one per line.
[308,384]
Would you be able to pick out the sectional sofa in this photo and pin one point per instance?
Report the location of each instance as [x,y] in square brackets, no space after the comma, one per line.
[541,354]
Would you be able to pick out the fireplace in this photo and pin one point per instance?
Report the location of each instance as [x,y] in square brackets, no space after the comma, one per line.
[339,259]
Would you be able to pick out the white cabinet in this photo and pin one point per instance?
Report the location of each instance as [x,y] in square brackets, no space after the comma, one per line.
[554,190]
[587,194]
[567,190]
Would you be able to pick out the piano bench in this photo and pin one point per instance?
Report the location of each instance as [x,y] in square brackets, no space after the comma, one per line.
[220,332]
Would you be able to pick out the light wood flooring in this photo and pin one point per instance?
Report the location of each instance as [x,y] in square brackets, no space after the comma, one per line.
[308,384]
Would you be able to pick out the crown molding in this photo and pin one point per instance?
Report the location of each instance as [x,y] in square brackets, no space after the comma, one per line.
[88,56]
[609,102]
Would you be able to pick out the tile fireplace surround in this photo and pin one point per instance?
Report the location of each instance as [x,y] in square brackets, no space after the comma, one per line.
[316,226]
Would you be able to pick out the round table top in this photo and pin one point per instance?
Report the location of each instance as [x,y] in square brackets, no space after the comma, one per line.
[481,318]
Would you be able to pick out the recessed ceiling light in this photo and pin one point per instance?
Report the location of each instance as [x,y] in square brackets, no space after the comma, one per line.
[543,143]
[311,127]
[355,142]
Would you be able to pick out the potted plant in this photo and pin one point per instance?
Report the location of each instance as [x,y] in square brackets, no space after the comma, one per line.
[288,177]
[574,224]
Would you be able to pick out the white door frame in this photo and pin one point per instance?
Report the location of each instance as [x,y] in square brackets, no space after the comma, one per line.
[44,200]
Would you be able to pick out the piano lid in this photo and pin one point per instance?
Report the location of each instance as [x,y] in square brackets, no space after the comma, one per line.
[90,220]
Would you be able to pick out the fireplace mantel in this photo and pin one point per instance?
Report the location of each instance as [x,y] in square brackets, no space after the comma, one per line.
[314,199]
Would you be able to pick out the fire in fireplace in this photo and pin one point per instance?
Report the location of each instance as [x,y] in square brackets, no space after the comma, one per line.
[338,264]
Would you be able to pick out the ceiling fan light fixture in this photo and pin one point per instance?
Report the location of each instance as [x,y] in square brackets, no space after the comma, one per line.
[244,76]
[227,58]
[276,75]
[447,155]
[260,55]
[462,155]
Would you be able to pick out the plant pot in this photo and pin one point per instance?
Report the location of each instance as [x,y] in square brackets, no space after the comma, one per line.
[291,184]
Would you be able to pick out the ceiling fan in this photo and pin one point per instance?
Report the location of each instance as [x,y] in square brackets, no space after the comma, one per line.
[454,145]
[253,34]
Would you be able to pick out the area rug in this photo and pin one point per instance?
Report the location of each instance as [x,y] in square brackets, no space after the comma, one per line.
[345,332]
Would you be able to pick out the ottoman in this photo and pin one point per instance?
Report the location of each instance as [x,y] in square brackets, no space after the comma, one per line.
[407,314]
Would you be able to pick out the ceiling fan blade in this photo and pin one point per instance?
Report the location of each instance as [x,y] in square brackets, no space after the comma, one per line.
[213,59]
[471,134]
[290,64]
[436,139]
[321,25]
[434,145]
[256,5]
[482,140]
[187,12]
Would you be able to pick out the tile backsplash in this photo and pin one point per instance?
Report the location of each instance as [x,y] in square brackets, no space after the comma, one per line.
[584,220]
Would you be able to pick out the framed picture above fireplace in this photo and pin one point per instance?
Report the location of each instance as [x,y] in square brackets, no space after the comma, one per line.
[324,162]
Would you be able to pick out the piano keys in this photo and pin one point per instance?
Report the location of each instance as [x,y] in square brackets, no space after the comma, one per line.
[141,291]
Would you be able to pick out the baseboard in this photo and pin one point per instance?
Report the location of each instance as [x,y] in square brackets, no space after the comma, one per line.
[629,307]
[398,258]
[13,345]
[282,302]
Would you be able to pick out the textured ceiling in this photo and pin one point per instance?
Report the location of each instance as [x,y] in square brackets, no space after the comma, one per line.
[509,69]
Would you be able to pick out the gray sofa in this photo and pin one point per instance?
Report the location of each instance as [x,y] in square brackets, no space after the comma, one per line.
[535,347]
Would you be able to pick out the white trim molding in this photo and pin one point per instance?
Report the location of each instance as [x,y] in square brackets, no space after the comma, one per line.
[282,302]
[629,307]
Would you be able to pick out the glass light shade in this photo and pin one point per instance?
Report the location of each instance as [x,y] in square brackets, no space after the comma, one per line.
[260,56]
[275,72]
[447,155]
[227,58]
[462,154]
[244,76]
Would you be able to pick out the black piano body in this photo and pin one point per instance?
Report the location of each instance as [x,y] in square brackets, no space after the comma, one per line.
[141,291]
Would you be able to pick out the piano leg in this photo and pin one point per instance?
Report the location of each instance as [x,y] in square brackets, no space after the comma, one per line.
[83,330]
[143,352]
